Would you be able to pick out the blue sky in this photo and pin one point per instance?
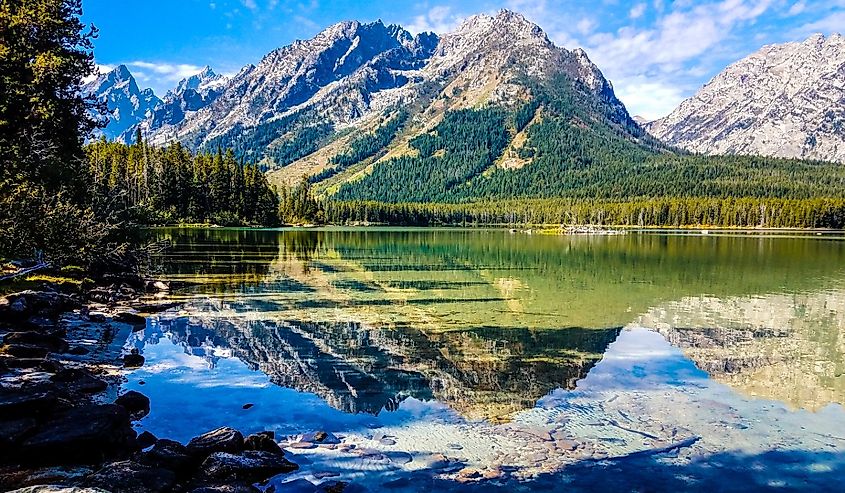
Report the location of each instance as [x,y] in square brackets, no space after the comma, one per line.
[656,52]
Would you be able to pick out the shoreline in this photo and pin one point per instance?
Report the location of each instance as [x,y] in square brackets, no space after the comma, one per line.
[64,421]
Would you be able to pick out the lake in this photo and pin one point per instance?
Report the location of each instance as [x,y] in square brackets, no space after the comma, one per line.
[467,359]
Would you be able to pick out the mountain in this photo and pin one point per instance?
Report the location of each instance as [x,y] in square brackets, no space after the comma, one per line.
[191,94]
[332,78]
[127,104]
[785,100]
[303,104]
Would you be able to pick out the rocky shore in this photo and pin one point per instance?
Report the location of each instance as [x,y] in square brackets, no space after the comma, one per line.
[64,426]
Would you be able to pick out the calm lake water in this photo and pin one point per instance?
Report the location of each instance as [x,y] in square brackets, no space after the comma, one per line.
[471,359]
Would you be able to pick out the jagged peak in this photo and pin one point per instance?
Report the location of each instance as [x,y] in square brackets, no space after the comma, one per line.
[120,73]
[506,23]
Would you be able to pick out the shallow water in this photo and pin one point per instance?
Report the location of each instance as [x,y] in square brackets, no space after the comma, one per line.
[469,359]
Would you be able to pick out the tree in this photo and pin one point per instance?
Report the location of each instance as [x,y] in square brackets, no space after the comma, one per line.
[45,53]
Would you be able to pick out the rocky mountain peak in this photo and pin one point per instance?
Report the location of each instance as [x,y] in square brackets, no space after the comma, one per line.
[127,104]
[202,82]
[785,100]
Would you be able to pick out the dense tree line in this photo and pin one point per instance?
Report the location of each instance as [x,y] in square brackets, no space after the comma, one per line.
[660,212]
[461,148]
[172,185]
[362,148]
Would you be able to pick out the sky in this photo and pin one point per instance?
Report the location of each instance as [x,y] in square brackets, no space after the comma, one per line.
[655,52]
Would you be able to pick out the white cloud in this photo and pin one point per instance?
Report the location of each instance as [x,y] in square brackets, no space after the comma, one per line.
[250,4]
[99,69]
[829,24]
[648,98]
[167,71]
[637,11]
[439,19]
[585,26]
[797,8]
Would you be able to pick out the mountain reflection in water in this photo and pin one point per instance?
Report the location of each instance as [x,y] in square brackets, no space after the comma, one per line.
[359,369]
[526,358]
[489,322]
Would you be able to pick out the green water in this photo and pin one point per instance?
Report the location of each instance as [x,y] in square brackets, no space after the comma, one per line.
[744,308]
[533,359]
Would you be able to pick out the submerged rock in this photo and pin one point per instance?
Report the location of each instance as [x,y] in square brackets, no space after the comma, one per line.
[251,465]
[134,359]
[131,319]
[136,403]
[223,439]
[321,437]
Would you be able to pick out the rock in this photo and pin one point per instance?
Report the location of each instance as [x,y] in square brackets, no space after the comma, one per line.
[40,323]
[50,342]
[58,489]
[136,403]
[168,454]
[223,439]
[21,306]
[133,360]
[132,477]
[301,445]
[97,317]
[157,286]
[24,351]
[78,351]
[229,488]
[320,437]
[12,432]
[23,403]
[43,364]
[251,465]
[146,439]
[84,434]
[468,473]
[131,319]
[79,380]
[262,442]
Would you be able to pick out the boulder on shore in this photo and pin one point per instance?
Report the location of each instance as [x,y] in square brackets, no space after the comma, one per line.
[131,477]
[251,465]
[262,442]
[168,454]
[82,435]
[223,439]
[50,342]
[79,380]
[136,403]
[21,306]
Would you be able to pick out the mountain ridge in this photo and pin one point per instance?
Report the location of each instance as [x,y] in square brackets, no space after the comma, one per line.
[784,100]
